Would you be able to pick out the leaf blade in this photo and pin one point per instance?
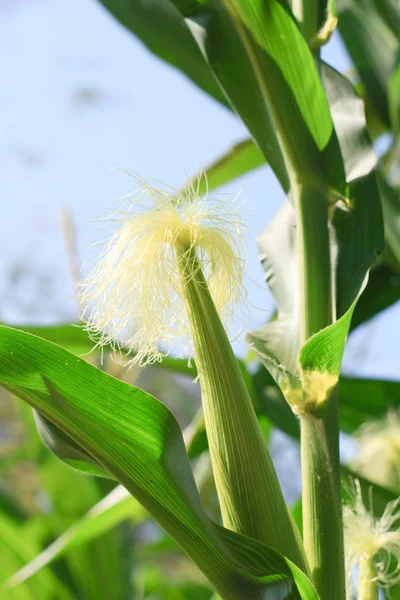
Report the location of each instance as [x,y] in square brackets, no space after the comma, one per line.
[138,441]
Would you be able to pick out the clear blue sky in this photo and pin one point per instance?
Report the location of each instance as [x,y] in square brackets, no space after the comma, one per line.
[80,95]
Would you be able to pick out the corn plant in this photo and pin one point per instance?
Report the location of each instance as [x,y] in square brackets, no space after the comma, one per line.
[170,280]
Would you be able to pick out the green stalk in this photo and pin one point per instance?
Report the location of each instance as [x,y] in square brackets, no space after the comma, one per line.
[322,515]
[367,584]
[306,13]
[248,489]
[313,247]
[319,422]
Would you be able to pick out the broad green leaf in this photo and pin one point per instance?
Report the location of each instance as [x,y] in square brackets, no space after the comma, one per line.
[116,507]
[390,12]
[383,287]
[137,439]
[372,47]
[275,30]
[375,125]
[49,485]
[71,337]
[75,339]
[264,65]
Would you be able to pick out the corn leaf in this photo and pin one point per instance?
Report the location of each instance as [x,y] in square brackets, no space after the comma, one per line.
[390,12]
[137,440]
[372,46]
[263,63]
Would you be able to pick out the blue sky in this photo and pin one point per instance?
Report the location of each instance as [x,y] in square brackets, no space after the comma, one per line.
[81,96]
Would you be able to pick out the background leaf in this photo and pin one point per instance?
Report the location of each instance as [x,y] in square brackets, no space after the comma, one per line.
[372,46]
[116,507]
[243,157]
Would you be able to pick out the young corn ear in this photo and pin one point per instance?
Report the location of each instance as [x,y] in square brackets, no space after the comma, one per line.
[172,277]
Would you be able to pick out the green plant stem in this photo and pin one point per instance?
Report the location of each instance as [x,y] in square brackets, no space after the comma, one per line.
[322,514]
[249,493]
[367,587]
[306,13]
[313,248]
[322,511]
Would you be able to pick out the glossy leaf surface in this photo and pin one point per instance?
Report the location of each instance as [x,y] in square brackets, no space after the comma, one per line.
[136,439]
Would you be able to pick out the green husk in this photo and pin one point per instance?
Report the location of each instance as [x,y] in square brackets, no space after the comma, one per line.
[249,493]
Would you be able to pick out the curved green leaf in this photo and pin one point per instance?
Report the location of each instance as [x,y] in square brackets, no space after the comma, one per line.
[275,30]
[138,441]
